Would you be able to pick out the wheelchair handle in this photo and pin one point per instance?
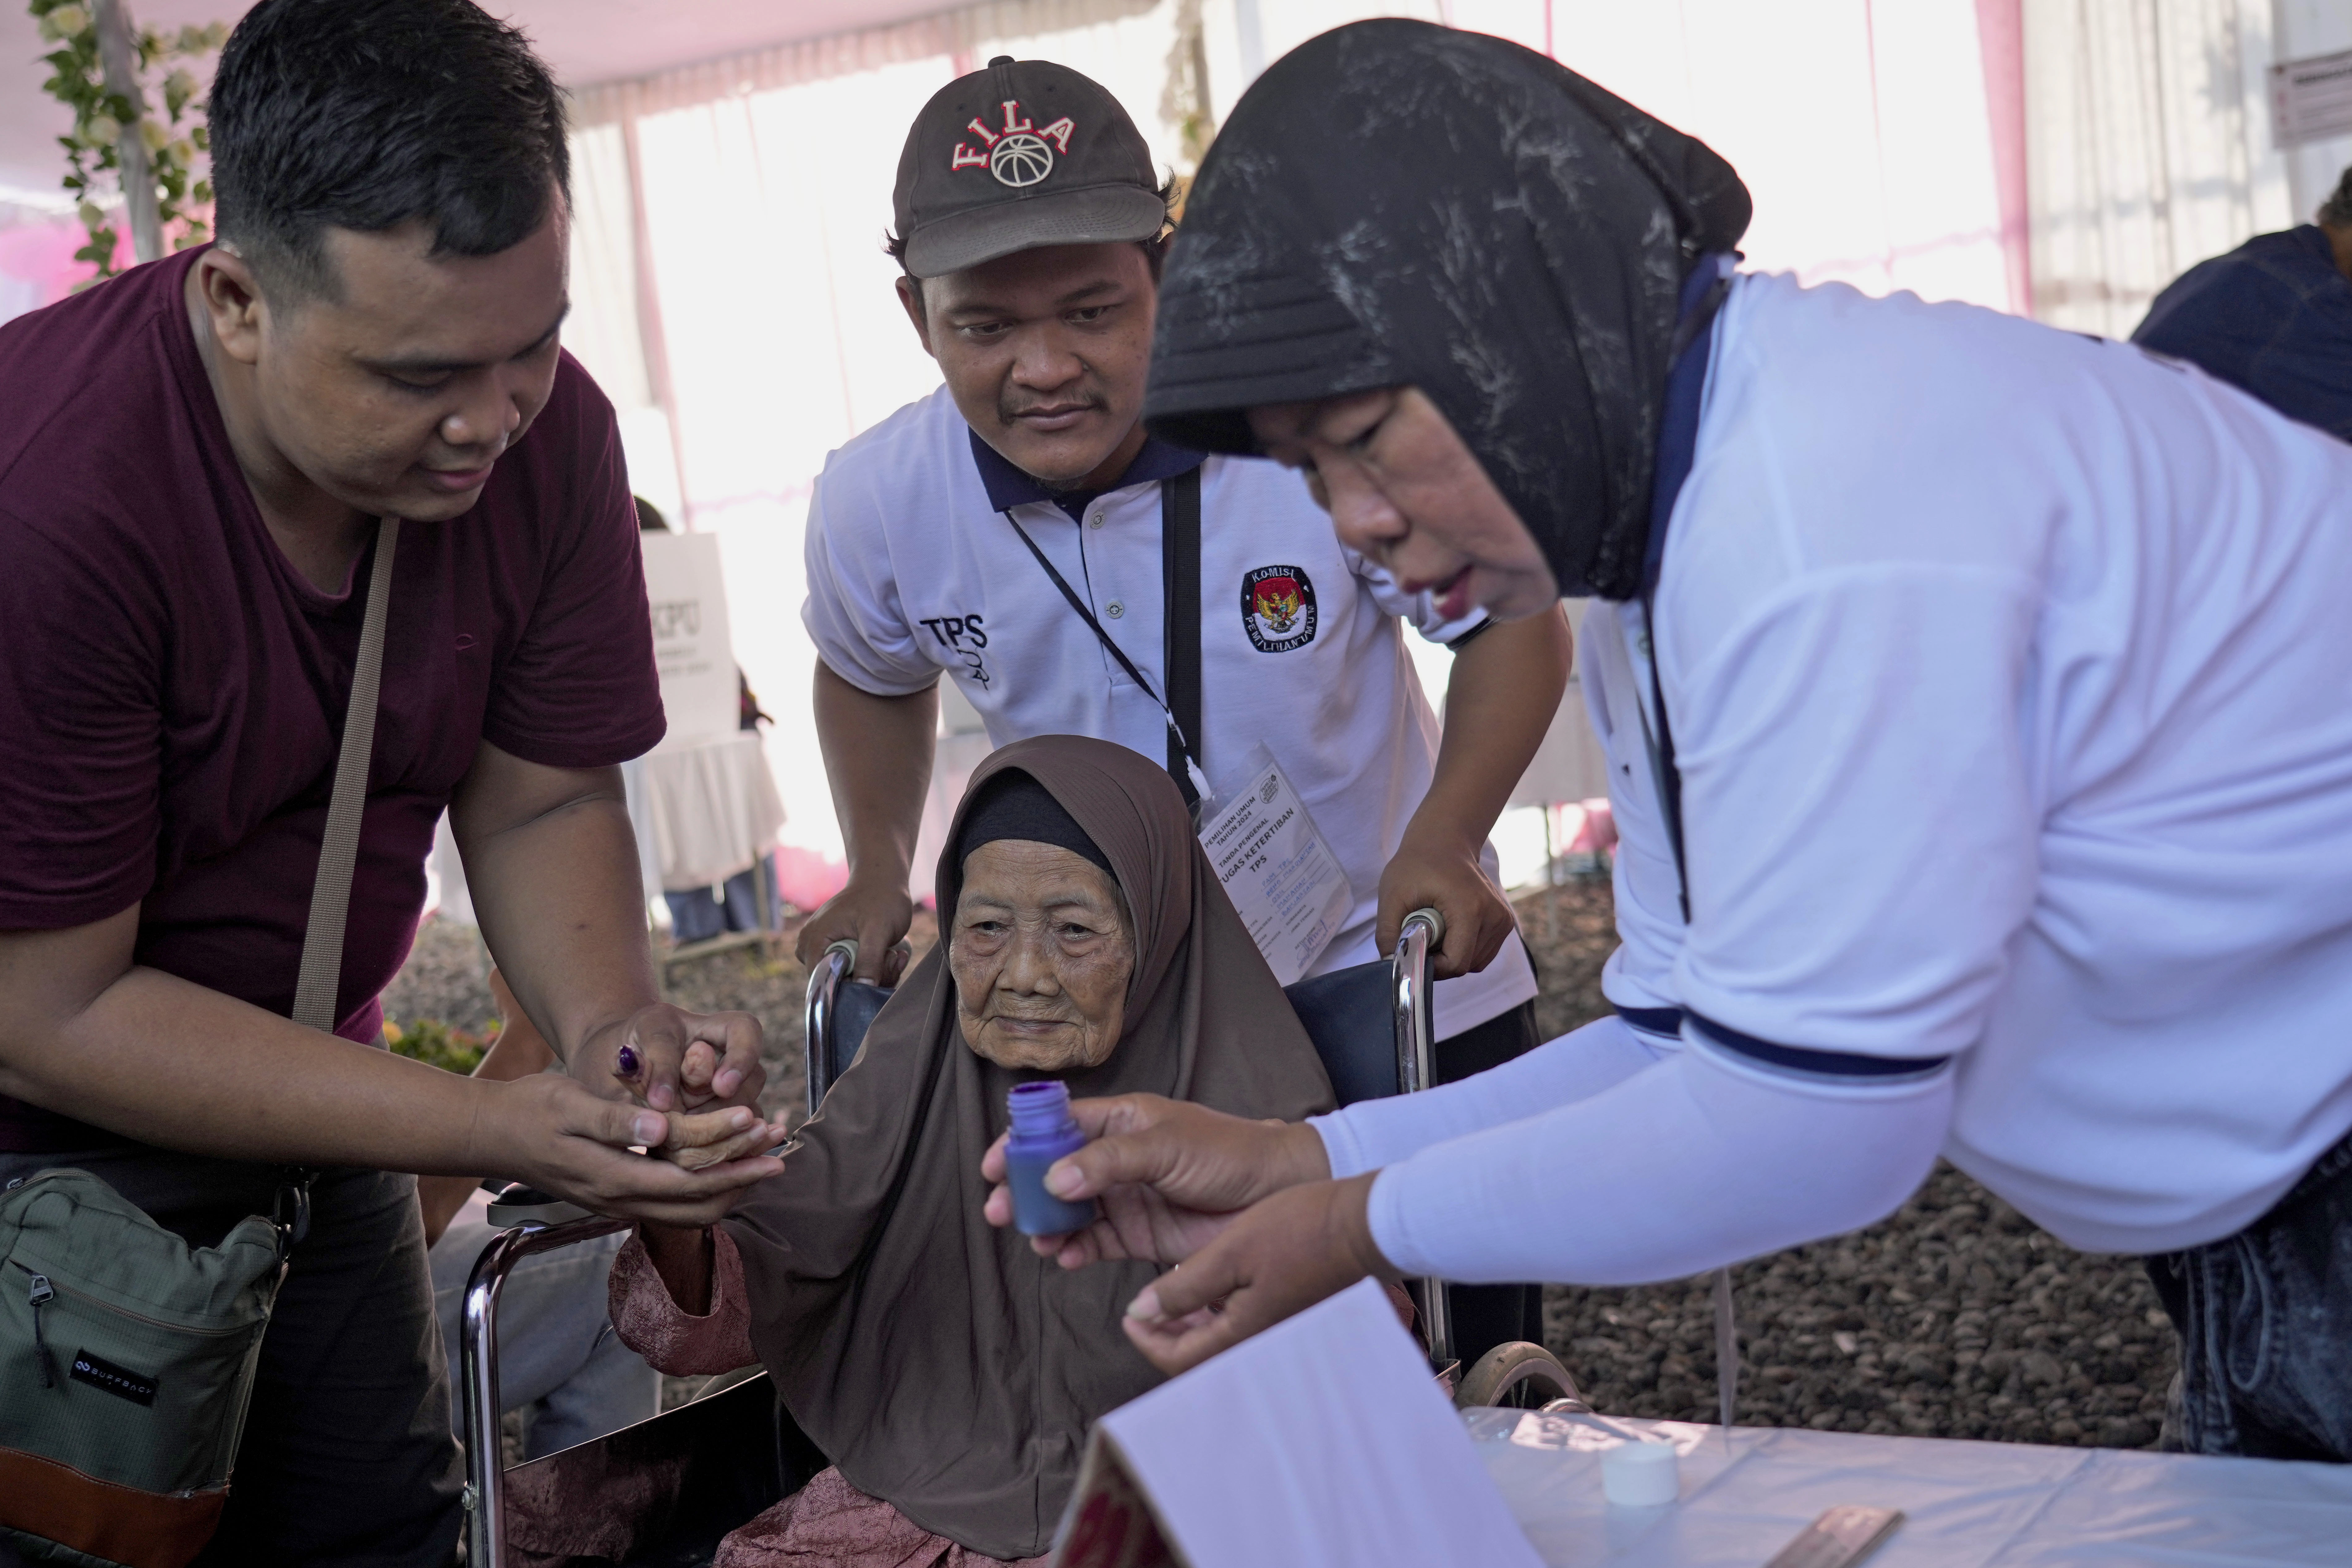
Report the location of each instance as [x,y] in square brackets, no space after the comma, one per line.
[1416,1048]
[486,1523]
[1416,1031]
[824,980]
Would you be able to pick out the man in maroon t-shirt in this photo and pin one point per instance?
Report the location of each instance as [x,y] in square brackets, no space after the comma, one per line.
[193,461]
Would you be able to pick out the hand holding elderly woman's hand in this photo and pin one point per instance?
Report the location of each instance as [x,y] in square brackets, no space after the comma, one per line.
[671,1059]
[1167,1175]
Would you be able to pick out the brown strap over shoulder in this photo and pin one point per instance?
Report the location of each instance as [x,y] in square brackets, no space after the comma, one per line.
[331,895]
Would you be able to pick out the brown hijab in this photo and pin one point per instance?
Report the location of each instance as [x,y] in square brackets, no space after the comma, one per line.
[942,1365]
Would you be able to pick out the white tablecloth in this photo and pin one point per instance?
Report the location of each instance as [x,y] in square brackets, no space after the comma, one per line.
[703,812]
[1999,1505]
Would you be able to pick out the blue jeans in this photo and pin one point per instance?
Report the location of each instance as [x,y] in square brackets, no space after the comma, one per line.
[2265,1322]
[702,914]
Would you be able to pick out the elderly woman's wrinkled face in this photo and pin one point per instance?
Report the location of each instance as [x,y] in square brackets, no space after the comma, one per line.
[1041,952]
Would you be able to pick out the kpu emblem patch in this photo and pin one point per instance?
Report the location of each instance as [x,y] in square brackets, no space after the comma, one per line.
[1017,152]
[1277,608]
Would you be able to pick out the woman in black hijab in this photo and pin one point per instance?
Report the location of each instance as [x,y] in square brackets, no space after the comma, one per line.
[1448,280]
[1486,248]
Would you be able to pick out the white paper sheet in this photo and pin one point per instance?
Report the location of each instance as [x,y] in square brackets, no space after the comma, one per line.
[1321,1443]
[1289,888]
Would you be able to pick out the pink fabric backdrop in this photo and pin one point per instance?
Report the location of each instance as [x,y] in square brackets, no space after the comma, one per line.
[36,264]
[2001,38]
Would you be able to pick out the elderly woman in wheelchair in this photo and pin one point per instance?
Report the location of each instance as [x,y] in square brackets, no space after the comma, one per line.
[948,1372]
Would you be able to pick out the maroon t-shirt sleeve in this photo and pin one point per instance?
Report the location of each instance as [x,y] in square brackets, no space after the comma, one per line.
[579,690]
[81,722]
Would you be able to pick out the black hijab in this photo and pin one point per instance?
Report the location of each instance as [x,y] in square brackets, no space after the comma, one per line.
[1395,203]
[1013,805]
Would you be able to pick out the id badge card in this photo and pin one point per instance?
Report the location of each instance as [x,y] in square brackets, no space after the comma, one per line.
[1283,880]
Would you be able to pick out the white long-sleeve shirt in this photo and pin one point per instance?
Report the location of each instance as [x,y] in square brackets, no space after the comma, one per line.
[2011,680]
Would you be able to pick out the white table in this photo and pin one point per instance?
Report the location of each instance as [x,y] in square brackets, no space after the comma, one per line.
[703,809]
[1966,1504]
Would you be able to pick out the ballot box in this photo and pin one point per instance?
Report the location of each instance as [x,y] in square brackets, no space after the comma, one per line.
[703,801]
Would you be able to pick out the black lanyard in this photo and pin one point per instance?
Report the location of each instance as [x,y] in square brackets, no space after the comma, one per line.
[1180,582]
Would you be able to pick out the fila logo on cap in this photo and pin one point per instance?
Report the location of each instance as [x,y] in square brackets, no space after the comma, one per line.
[1017,154]
[1277,608]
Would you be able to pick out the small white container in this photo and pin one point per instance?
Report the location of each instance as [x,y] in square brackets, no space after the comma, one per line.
[1639,1474]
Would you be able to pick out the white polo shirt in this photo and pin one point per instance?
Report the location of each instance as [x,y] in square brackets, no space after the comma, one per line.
[911,570]
[2009,673]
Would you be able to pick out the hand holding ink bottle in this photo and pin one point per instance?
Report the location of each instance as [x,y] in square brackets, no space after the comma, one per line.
[1043,1132]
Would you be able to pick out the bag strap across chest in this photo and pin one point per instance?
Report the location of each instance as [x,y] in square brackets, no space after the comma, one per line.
[321,976]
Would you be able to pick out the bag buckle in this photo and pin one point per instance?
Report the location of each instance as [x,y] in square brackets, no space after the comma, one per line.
[292,1214]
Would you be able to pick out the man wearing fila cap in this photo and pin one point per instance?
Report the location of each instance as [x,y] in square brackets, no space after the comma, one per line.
[1017,530]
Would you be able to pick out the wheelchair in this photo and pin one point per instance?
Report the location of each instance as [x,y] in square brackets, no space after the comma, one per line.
[687,1476]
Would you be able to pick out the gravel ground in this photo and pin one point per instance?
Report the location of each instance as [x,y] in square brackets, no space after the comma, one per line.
[1956,1318]
[447,977]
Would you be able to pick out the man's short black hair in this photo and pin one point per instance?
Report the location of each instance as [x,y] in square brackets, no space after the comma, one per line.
[368,114]
[2336,210]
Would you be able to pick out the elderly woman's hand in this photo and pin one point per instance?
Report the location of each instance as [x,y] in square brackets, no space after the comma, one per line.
[702,1139]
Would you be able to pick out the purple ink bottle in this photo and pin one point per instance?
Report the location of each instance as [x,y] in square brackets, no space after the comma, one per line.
[1043,1132]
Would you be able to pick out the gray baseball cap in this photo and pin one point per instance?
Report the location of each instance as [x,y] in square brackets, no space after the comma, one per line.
[1022,154]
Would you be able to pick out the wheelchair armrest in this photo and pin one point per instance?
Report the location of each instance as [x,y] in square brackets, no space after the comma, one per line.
[478,1367]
